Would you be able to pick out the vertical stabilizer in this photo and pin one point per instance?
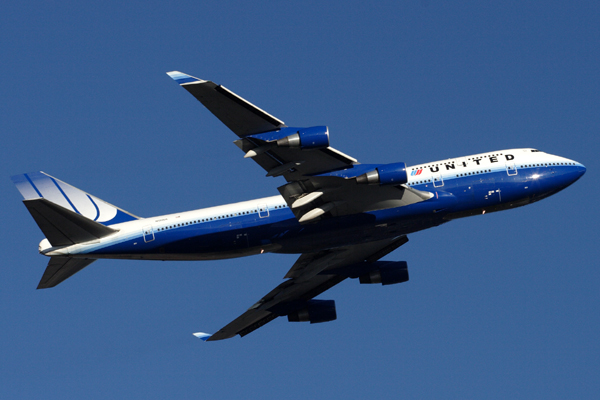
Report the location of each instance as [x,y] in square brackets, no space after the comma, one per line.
[35,185]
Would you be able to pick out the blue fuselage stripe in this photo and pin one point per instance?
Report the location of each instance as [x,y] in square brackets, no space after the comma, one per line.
[491,191]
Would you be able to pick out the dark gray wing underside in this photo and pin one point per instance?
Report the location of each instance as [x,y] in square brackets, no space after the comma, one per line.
[238,114]
[61,268]
[311,275]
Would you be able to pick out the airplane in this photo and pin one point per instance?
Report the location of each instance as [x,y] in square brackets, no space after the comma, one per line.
[341,216]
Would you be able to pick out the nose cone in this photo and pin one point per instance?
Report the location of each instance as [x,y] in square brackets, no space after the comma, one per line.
[571,173]
[574,172]
[580,170]
[554,178]
[565,176]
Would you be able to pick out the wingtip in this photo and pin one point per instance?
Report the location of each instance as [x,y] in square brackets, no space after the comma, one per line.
[202,335]
[182,78]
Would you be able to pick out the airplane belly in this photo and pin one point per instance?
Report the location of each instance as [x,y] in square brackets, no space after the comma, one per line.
[365,227]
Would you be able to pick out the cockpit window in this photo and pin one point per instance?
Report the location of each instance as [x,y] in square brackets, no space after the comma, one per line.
[534,151]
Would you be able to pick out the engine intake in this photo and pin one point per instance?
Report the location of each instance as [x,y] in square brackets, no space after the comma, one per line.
[315,311]
[387,273]
[386,174]
[316,137]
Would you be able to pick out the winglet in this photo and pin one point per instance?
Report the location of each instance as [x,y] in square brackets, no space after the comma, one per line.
[182,78]
[202,335]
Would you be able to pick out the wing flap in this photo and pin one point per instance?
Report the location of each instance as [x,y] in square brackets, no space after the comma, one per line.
[311,162]
[346,197]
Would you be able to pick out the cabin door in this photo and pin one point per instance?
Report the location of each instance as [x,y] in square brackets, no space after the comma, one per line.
[437,180]
[263,210]
[511,168]
[148,233]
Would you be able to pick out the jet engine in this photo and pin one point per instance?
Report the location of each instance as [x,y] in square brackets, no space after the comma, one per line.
[386,174]
[315,137]
[315,311]
[387,273]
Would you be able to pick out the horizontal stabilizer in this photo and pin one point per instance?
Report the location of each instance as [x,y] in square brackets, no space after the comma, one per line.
[64,227]
[182,78]
[61,268]
[202,335]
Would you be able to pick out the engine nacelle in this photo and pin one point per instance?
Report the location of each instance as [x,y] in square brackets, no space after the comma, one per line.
[387,273]
[316,137]
[387,174]
[315,311]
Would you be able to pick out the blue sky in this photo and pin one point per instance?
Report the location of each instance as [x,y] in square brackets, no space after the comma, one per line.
[498,306]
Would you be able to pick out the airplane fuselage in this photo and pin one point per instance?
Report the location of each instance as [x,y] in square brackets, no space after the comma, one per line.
[463,186]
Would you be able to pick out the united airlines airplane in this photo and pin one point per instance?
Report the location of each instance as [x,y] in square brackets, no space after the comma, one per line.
[341,216]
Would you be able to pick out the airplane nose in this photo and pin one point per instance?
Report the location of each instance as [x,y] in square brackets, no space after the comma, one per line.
[575,172]
[554,178]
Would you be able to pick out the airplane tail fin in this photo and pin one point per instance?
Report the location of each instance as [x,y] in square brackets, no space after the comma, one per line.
[65,214]
[37,185]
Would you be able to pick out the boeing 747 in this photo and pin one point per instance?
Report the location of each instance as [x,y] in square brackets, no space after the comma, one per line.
[339,215]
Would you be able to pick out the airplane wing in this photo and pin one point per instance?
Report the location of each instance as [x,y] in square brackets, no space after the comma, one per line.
[322,182]
[311,275]
[241,116]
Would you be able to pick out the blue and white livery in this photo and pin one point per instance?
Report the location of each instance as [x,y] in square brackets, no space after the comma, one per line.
[340,216]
